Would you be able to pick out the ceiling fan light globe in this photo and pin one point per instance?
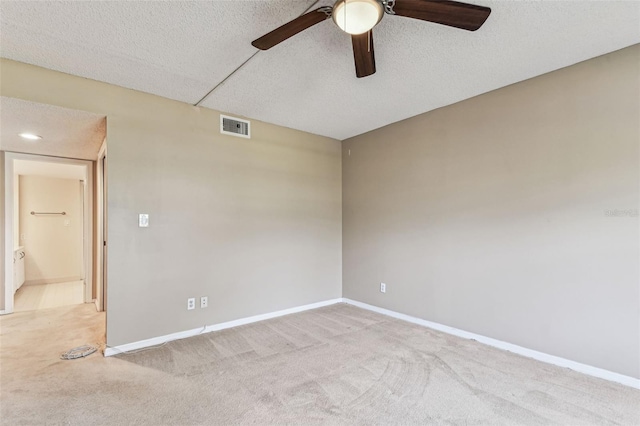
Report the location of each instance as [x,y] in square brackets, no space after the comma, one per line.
[357,16]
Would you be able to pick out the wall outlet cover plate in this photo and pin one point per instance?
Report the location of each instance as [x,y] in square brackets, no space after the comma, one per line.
[143,220]
[191,303]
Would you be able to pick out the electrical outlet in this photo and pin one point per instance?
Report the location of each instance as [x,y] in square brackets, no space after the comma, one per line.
[204,301]
[383,288]
[191,303]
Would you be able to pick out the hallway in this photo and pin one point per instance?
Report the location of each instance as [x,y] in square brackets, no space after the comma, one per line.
[44,296]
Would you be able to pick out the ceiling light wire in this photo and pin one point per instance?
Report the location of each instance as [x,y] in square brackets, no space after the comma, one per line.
[244,63]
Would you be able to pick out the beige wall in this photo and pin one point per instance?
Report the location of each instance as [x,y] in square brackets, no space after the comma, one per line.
[52,243]
[255,225]
[490,215]
[2,241]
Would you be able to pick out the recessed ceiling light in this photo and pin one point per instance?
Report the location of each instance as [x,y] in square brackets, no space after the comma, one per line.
[30,136]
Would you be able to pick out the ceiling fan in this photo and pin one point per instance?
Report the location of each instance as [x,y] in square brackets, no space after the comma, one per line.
[358,17]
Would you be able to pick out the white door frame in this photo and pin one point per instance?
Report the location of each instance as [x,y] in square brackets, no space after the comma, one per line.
[9,198]
[101,237]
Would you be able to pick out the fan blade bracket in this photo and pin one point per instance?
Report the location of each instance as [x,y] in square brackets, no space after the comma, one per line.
[388,6]
[327,10]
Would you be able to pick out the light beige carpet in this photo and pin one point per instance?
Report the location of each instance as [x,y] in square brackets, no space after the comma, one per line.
[334,365]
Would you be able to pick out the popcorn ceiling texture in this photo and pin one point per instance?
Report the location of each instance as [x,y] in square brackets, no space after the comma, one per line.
[65,132]
[181,50]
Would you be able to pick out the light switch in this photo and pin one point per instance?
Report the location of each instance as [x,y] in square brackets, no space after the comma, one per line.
[143,220]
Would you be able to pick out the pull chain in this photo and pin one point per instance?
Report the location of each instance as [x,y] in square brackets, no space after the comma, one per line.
[345,14]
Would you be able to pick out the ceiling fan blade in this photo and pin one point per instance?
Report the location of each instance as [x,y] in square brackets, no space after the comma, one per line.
[452,13]
[291,28]
[363,54]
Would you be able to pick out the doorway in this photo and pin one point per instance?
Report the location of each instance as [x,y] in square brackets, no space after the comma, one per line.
[48,232]
[101,229]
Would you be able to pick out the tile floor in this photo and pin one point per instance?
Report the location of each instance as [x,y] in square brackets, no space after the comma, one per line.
[43,296]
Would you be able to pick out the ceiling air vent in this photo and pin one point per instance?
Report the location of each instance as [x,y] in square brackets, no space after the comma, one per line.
[235,126]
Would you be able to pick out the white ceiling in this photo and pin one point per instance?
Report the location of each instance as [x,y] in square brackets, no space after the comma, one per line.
[48,169]
[181,50]
[65,132]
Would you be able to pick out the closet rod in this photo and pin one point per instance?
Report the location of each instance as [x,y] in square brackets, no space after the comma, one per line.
[62,213]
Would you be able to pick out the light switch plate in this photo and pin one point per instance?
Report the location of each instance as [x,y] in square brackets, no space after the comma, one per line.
[143,220]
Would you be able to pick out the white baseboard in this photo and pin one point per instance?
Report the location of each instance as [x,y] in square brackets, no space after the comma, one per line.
[529,353]
[109,351]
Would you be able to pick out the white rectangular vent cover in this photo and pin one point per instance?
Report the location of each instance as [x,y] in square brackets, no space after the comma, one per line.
[235,126]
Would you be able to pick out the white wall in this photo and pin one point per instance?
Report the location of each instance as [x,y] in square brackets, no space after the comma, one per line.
[53,243]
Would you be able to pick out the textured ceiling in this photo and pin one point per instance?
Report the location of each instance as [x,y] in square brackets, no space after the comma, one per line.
[65,132]
[181,50]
